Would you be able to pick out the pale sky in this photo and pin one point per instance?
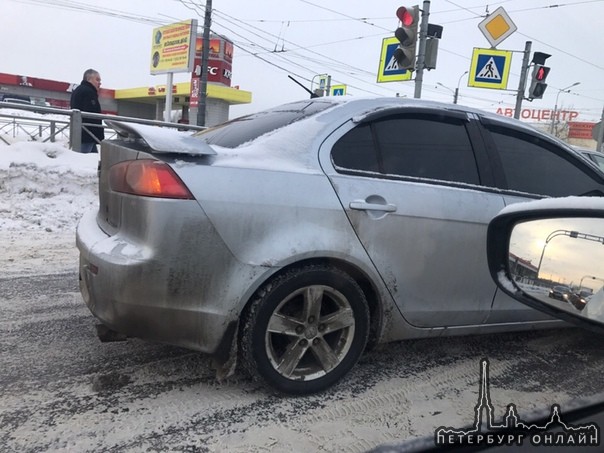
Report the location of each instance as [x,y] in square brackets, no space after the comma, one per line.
[563,256]
[59,39]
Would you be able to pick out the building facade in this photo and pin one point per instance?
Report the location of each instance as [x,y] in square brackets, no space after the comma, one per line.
[147,102]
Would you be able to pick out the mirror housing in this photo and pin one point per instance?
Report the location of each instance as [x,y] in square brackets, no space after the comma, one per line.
[549,255]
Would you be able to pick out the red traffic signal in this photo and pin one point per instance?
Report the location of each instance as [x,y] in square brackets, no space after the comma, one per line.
[407,16]
[406,34]
[542,73]
[538,85]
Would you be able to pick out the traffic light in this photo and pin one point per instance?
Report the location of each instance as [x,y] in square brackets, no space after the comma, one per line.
[538,84]
[407,37]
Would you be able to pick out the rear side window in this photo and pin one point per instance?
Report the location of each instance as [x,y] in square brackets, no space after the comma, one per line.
[533,166]
[356,151]
[247,128]
[419,145]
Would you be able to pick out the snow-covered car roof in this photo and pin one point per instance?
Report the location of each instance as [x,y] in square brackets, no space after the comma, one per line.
[282,146]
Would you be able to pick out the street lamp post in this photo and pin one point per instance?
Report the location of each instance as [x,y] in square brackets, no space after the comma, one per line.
[457,89]
[456,92]
[552,235]
[563,90]
[446,87]
[571,234]
[592,277]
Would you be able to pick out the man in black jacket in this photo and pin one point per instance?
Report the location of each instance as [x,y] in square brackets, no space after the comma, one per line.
[86,98]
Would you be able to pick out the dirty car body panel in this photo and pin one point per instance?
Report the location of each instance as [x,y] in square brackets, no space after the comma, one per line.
[309,210]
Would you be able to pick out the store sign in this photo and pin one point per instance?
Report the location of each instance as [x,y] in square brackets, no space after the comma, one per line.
[220,61]
[44,84]
[194,97]
[540,115]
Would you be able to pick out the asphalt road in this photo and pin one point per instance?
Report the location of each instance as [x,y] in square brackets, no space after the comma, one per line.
[63,390]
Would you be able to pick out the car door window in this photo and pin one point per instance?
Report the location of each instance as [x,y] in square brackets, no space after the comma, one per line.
[426,148]
[419,146]
[356,151]
[534,166]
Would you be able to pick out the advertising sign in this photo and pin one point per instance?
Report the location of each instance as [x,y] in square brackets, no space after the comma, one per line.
[580,129]
[173,47]
[220,60]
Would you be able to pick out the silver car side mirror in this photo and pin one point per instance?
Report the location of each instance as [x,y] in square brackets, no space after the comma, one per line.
[549,254]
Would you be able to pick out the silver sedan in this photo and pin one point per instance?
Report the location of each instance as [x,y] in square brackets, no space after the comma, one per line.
[294,238]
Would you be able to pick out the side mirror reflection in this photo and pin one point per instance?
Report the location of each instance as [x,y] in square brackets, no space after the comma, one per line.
[559,262]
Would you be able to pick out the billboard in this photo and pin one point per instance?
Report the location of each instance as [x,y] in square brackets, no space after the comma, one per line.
[580,129]
[220,59]
[173,47]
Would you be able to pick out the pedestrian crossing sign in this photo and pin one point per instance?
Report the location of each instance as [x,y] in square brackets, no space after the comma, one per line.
[490,68]
[389,70]
[338,90]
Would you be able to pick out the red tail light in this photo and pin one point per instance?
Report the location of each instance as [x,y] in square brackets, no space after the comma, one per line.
[147,178]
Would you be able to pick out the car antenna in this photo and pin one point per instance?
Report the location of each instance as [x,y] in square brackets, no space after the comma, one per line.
[312,95]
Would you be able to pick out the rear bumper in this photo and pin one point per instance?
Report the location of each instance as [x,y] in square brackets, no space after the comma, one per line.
[193,329]
[183,289]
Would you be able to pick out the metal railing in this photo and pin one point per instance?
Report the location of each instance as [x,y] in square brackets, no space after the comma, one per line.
[48,129]
[34,128]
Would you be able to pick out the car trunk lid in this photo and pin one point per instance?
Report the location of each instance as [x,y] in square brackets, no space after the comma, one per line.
[136,142]
[162,140]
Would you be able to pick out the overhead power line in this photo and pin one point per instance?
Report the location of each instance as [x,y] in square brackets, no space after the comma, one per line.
[263,45]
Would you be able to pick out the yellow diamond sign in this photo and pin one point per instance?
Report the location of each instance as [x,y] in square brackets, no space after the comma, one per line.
[497,26]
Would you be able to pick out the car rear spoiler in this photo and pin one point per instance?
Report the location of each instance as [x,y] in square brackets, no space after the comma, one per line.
[162,140]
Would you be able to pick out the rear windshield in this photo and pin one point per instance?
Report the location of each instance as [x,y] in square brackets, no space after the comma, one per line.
[247,128]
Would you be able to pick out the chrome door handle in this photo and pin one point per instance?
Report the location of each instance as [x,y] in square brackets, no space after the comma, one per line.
[364,206]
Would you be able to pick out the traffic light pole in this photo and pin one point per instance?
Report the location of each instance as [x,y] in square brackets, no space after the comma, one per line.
[421,52]
[523,77]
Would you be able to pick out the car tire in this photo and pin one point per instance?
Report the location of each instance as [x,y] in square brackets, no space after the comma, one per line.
[305,329]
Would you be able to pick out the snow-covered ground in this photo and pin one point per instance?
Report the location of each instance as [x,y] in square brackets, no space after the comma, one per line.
[44,190]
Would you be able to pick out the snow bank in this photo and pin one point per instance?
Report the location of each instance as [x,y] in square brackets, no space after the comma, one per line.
[45,186]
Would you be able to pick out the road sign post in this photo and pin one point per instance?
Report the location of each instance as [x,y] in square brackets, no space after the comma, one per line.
[600,133]
[522,83]
[421,52]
